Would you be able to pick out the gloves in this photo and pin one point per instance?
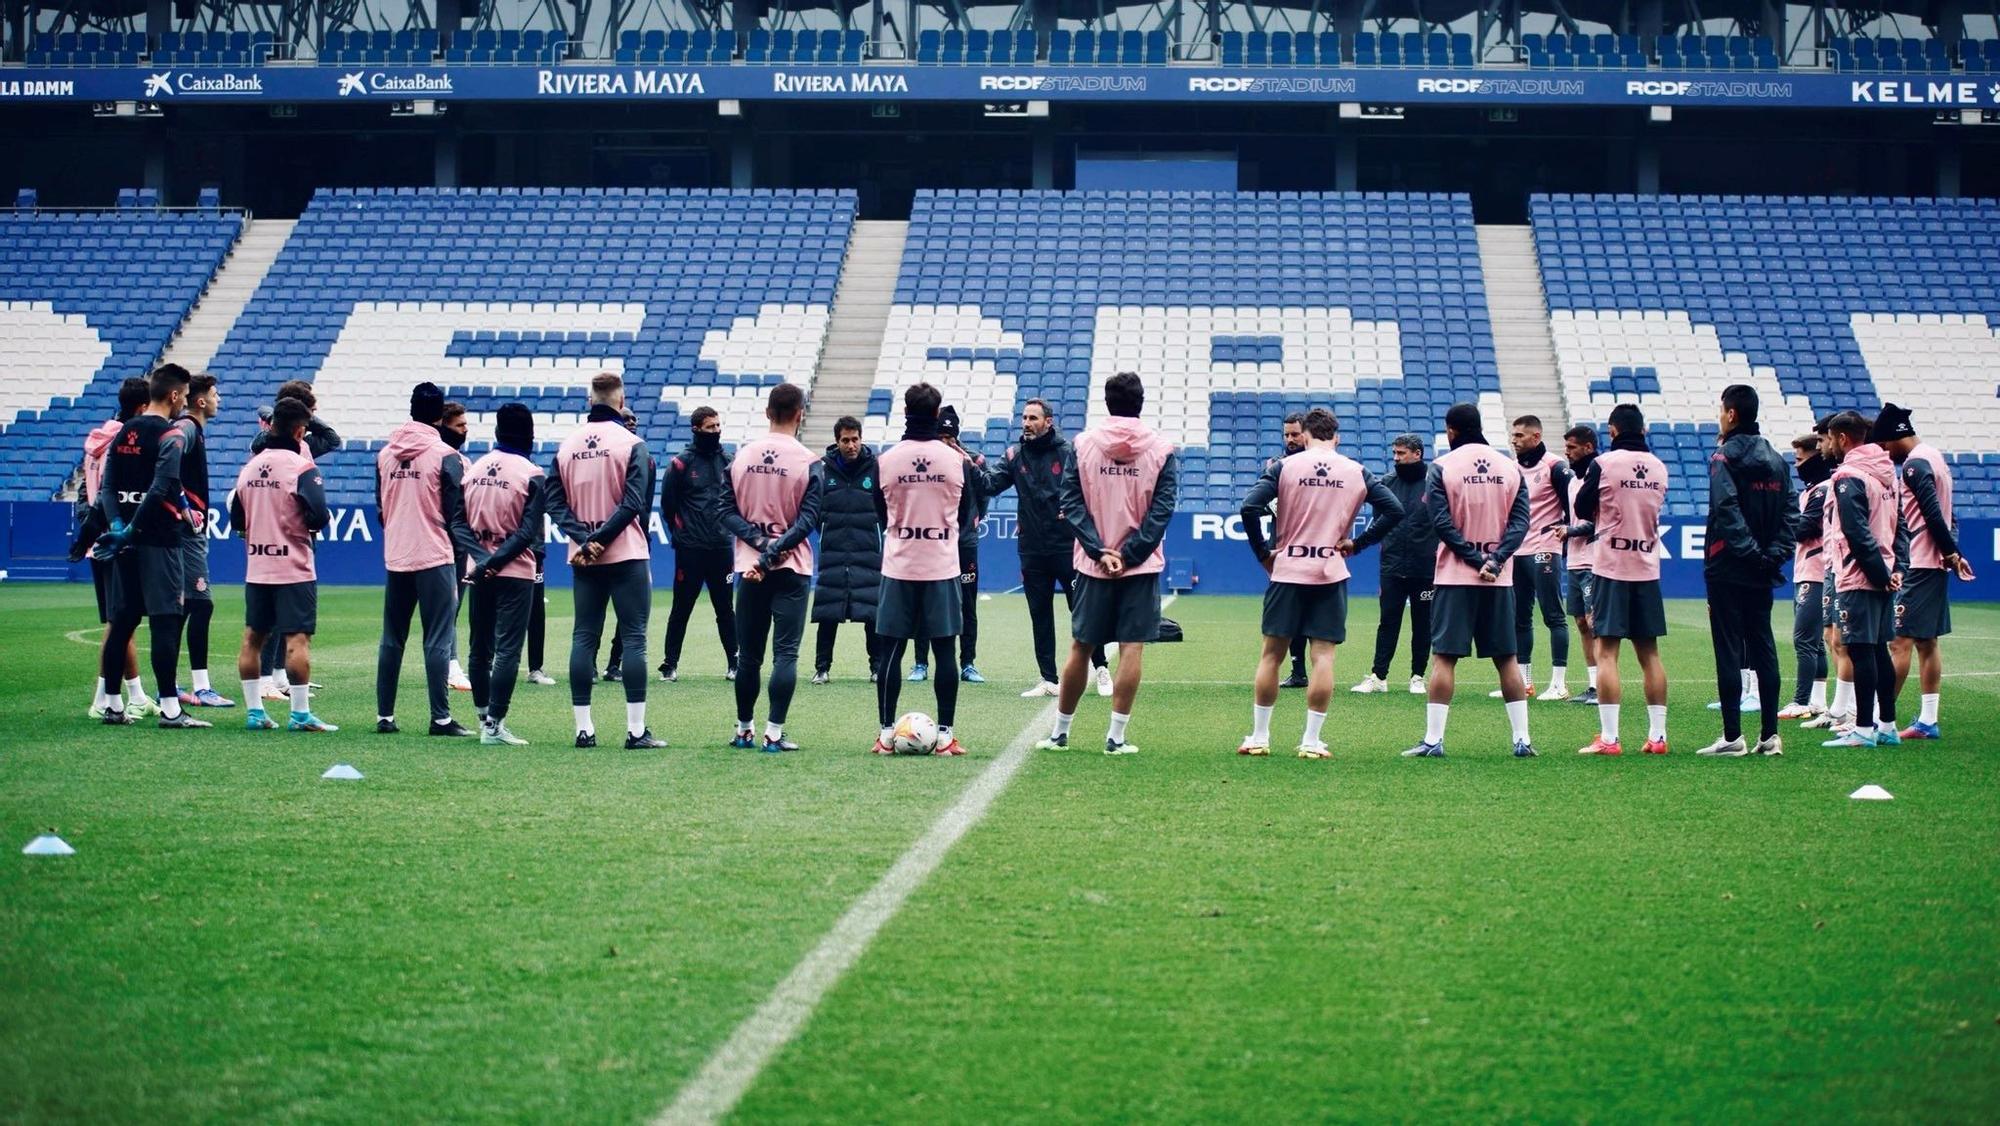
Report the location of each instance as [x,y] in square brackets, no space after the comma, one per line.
[119,537]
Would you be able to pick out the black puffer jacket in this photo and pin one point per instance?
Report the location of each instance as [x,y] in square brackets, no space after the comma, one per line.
[1751,513]
[1409,551]
[1033,469]
[850,540]
[689,492]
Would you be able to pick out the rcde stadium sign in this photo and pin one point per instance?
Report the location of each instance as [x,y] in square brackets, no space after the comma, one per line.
[902,82]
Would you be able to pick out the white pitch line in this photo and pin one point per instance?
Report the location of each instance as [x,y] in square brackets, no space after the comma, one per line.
[728,1074]
[81,636]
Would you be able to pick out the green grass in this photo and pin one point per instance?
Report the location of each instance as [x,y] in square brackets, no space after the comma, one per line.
[550,934]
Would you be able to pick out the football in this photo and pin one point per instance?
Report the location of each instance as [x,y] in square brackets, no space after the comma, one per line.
[915,734]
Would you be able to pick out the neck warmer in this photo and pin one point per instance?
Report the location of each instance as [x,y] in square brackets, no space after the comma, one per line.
[1532,456]
[1412,471]
[1630,442]
[920,429]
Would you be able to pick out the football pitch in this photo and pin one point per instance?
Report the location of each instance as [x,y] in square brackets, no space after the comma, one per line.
[546,934]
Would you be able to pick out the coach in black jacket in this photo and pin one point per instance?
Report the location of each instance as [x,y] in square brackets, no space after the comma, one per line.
[703,551]
[1033,469]
[850,547]
[1409,564]
[1751,510]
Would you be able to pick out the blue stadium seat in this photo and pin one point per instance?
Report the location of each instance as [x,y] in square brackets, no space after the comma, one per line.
[1233,323]
[67,282]
[686,264]
[1718,290]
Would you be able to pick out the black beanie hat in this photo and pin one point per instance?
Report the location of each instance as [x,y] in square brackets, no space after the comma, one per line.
[948,422]
[1891,424]
[427,403]
[514,427]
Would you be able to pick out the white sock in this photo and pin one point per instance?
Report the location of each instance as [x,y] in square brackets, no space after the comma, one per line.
[775,731]
[170,705]
[1843,697]
[1434,717]
[456,672]
[281,681]
[1260,722]
[1886,727]
[1314,721]
[1117,732]
[385,719]
[1593,678]
[745,726]
[635,717]
[888,736]
[584,724]
[200,680]
[97,701]
[1517,718]
[1557,679]
[1818,697]
[300,695]
[251,698]
[1062,724]
[1928,708]
[134,690]
[484,717]
[1749,684]
[1656,721]
[114,704]
[1607,722]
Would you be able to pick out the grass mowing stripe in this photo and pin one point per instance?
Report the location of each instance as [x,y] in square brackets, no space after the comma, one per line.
[722,1081]
[730,1071]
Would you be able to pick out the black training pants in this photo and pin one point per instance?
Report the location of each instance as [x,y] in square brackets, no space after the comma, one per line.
[774,610]
[1538,581]
[1739,624]
[1397,590]
[500,612]
[828,633]
[1041,577]
[433,594]
[889,681]
[627,588]
[694,569]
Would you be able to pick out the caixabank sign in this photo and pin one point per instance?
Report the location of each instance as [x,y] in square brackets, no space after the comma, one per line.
[903,82]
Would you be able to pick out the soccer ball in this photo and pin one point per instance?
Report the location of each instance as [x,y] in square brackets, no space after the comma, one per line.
[914,734]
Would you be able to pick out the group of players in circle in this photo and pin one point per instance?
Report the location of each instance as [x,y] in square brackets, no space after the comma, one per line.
[1871,548]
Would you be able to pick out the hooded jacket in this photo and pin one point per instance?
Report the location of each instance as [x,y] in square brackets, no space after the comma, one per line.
[850,539]
[1868,511]
[689,491]
[89,517]
[1033,469]
[1119,487]
[420,501]
[1409,551]
[1752,513]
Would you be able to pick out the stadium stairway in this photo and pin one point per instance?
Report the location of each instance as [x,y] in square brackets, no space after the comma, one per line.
[1523,349]
[854,338]
[215,313]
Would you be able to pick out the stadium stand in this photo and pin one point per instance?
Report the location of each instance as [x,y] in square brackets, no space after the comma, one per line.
[676,46]
[409,47]
[86,299]
[488,45]
[1822,304]
[804,45]
[88,48]
[1895,56]
[213,48]
[705,296]
[1237,307]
